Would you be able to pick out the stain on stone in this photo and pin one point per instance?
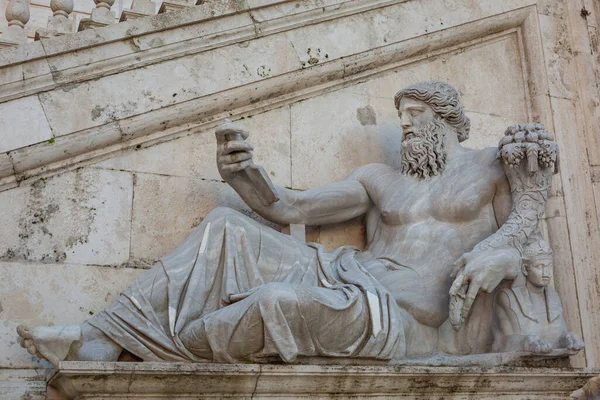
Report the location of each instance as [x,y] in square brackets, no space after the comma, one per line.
[44,214]
[156,42]
[117,111]
[366,116]
[238,5]
[584,13]
[134,46]
[1,308]
[263,71]
[97,112]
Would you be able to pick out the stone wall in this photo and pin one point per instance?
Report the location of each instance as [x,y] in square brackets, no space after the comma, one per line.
[107,152]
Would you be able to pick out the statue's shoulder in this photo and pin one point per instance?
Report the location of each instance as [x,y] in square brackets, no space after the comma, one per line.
[487,156]
[488,160]
[368,172]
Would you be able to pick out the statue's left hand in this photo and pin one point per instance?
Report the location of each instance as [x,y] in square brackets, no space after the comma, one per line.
[482,271]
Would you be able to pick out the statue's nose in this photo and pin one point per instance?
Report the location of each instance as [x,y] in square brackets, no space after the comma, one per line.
[405,121]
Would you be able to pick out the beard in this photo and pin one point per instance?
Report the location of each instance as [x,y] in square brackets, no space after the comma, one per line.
[424,155]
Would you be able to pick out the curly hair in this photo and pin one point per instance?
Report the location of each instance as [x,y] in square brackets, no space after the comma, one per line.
[443,99]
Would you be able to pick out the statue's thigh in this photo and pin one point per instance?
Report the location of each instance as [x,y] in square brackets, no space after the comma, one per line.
[256,251]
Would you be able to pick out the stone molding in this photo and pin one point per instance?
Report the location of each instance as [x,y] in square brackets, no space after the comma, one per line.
[120,381]
[202,113]
[126,41]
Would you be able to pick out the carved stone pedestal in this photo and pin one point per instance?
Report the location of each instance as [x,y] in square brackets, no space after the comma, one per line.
[120,381]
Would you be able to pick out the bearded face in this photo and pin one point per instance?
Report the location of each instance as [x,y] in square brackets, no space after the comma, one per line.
[423,150]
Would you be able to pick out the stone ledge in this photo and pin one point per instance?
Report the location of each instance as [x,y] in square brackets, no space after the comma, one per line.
[120,381]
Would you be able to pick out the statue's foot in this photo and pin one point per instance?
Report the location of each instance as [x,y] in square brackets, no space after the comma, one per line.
[538,346]
[573,342]
[50,342]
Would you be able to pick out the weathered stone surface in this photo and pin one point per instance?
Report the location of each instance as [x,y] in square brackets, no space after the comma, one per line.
[22,384]
[25,120]
[194,155]
[79,217]
[127,94]
[35,293]
[6,165]
[167,208]
[350,233]
[579,205]
[327,130]
[164,381]
[562,79]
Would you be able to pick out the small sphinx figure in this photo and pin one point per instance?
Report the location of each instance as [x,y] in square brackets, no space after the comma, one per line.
[447,226]
[529,312]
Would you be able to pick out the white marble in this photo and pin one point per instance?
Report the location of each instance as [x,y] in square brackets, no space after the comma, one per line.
[124,95]
[27,122]
[78,217]
[193,155]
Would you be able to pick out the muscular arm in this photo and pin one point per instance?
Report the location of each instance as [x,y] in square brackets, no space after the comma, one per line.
[502,201]
[529,167]
[333,203]
[329,204]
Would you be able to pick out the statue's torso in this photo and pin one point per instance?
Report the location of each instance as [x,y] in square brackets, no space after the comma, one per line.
[417,228]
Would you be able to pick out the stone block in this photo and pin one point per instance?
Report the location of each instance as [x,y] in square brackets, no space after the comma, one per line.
[78,217]
[558,54]
[581,218]
[22,384]
[126,94]
[23,122]
[375,27]
[52,294]
[166,209]
[6,165]
[195,155]
[328,135]
[487,130]
[350,233]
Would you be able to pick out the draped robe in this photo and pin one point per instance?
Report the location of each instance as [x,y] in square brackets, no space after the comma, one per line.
[236,290]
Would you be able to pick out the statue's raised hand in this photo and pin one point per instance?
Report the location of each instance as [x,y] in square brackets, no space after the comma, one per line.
[479,271]
[234,154]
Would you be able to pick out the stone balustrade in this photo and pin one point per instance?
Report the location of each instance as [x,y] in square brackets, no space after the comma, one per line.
[59,23]
[62,21]
[17,15]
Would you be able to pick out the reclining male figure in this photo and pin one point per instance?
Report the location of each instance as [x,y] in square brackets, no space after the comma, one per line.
[236,290]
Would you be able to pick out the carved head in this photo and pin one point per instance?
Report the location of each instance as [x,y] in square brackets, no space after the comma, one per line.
[537,263]
[442,98]
[426,111]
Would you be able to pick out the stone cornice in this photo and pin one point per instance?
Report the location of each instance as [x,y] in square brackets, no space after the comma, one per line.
[95,380]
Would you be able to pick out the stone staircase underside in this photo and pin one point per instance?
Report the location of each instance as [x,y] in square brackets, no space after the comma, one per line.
[152,79]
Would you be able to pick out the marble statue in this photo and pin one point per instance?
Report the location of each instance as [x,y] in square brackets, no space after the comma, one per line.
[529,312]
[443,232]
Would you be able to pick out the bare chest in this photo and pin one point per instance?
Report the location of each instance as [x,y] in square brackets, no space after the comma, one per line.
[450,197]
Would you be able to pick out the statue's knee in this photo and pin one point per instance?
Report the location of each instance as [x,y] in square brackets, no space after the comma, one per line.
[220,214]
[276,293]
